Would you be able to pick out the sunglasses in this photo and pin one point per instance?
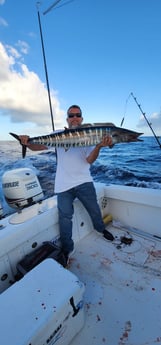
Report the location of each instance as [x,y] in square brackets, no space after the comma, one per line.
[74,114]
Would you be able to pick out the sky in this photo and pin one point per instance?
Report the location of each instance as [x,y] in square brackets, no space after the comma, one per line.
[97,53]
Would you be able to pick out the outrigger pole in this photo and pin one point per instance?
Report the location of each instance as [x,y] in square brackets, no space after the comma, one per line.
[139,106]
[45,66]
[51,7]
[43,50]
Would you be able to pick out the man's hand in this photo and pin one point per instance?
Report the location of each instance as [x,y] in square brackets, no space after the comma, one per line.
[106,141]
[34,147]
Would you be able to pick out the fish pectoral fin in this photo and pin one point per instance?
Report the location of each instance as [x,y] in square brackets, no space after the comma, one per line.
[24,148]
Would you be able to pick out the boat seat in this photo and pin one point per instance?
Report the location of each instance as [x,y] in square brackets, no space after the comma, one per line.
[44,307]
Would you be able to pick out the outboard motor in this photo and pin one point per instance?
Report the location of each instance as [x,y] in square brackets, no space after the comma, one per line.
[21,188]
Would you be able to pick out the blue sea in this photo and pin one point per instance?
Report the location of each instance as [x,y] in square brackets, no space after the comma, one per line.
[133,164]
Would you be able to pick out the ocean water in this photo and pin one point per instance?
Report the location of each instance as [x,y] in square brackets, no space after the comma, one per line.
[133,164]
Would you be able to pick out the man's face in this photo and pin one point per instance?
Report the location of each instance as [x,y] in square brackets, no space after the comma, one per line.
[74,118]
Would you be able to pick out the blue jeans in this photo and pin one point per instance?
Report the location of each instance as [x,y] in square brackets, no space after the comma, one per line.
[87,195]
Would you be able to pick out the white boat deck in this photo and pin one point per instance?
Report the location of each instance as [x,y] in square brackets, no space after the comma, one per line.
[122,289]
[122,280]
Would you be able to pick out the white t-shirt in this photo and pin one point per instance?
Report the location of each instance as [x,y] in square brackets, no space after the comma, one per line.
[72,168]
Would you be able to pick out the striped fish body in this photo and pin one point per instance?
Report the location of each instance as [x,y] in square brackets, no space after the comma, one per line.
[86,135]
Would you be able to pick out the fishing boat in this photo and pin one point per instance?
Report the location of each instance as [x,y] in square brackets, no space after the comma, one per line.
[110,292]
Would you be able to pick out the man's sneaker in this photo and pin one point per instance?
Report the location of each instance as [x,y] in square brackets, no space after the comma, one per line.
[107,235]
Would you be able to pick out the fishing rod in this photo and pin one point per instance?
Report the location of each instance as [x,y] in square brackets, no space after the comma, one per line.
[139,106]
[122,121]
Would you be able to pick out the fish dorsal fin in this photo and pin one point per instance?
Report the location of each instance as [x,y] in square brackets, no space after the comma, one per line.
[87,125]
[96,124]
[104,124]
[99,124]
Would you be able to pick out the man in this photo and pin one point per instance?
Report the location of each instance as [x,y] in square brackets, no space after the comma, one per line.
[73,180]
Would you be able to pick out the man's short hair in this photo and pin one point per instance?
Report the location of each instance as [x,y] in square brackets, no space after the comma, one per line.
[74,106]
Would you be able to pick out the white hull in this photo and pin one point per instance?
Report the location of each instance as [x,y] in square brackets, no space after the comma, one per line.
[122,281]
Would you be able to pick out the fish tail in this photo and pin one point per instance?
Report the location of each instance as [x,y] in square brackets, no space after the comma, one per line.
[24,148]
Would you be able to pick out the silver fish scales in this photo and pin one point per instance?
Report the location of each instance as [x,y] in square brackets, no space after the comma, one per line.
[84,135]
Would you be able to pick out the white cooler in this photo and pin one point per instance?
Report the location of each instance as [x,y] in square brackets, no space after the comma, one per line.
[45,307]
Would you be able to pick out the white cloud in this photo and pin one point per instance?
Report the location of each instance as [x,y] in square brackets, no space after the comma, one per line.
[23,96]
[23,46]
[2,2]
[3,22]
[154,120]
[11,52]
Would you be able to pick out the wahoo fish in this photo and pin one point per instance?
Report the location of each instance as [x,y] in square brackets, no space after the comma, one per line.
[84,135]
